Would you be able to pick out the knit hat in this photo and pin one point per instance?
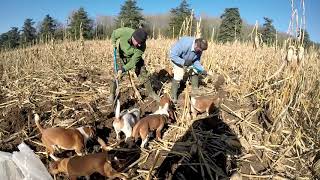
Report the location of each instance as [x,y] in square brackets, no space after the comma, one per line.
[140,35]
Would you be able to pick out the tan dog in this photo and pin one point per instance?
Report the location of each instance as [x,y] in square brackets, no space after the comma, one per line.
[203,104]
[85,166]
[155,121]
[67,139]
[125,121]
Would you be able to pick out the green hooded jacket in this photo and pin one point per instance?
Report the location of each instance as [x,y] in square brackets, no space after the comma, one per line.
[121,38]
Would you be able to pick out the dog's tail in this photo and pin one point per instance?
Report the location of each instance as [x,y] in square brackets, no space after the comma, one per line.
[37,120]
[118,109]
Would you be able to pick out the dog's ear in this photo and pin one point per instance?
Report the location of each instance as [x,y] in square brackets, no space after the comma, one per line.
[90,130]
[172,117]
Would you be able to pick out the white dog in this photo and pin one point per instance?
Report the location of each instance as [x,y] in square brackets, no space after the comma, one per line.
[124,121]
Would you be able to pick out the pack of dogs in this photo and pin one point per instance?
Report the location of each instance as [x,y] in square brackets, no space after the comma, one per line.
[127,122]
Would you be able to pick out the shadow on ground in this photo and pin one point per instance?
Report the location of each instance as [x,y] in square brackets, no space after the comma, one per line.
[208,141]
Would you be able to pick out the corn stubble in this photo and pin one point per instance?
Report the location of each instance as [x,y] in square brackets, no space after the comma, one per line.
[282,85]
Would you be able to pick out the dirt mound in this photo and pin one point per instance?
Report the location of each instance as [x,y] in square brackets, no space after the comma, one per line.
[14,120]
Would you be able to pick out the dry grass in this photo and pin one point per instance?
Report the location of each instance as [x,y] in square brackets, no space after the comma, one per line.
[285,141]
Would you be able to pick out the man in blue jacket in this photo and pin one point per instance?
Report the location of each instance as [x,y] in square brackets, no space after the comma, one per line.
[185,54]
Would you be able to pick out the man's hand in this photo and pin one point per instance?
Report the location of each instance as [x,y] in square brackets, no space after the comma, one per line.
[119,74]
[188,63]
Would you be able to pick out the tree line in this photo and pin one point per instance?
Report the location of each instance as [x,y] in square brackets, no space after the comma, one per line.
[228,28]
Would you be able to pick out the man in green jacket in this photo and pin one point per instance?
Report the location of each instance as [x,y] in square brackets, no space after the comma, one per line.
[131,45]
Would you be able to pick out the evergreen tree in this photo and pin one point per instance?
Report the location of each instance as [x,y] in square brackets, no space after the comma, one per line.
[178,15]
[306,42]
[268,31]
[10,39]
[99,31]
[3,39]
[80,22]
[13,37]
[47,27]
[28,31]
[59,31]
[231,25]
[317,46]
[130,15]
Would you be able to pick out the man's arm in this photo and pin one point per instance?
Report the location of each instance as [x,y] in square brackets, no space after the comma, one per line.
[133,60]
[198,66]
[176,52]
[115,36]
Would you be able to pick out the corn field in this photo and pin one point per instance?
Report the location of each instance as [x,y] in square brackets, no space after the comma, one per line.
[275,117]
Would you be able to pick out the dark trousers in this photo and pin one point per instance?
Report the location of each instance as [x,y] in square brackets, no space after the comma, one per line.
[140,71]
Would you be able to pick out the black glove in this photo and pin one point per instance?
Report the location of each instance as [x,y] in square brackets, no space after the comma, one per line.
[188,63]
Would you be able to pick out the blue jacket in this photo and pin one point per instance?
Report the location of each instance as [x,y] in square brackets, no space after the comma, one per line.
[183,51]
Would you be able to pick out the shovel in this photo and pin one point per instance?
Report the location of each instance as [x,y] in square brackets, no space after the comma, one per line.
[115,66]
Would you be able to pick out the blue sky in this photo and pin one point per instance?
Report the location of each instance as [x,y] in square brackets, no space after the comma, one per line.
[14,12]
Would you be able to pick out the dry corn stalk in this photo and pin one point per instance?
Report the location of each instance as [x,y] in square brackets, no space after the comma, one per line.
[256,42]
[43,70]
[301,55]
[136,92]
[198,30]
[291,54]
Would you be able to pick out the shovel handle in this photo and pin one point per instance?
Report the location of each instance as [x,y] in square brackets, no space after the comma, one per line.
[115,65]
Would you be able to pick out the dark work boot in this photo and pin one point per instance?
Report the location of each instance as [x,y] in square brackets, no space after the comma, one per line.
[144,79]
[174,90]
[195,83]
[113,87]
